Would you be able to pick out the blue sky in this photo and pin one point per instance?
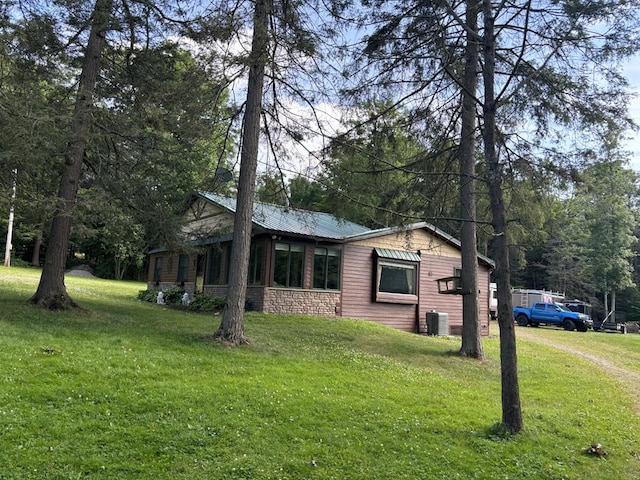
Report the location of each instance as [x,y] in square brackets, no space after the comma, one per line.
[633,145]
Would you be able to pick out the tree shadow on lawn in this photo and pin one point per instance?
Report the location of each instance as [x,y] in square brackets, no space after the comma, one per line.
[132,319]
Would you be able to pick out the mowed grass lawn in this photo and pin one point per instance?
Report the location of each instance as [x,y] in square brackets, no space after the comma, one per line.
[126,389]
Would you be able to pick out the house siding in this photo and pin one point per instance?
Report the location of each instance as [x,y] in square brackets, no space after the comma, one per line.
[205,219]
[169,273]
[358,291]
[437,261]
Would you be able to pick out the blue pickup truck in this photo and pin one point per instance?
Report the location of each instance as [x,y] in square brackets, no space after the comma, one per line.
[552,314]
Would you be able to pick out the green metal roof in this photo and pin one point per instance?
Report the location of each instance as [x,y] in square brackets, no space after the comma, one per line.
[285,220]
[397,255]
[279,219]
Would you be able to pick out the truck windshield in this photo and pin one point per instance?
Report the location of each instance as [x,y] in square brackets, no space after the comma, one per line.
[562,307]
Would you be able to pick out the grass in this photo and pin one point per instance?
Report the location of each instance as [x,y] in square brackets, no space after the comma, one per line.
[127,389]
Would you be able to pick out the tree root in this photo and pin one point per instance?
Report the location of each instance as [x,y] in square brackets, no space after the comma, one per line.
[58,302]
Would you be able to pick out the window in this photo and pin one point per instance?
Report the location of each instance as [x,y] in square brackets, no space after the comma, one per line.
[218,271]
[157,269]
[183,268]
[288,265]
[396,276]
[256,261]
[326,268]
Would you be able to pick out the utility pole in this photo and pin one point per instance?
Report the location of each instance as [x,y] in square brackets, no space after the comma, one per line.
[7,252]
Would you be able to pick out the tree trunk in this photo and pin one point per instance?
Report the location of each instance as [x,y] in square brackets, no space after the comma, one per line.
[471,331]
[613,305]
[231,328]
[511,407]
[37,244]
[9,246]
[52,292]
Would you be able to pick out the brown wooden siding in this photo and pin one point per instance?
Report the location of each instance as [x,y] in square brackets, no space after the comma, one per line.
[357,292]
[169,273]
[358,299]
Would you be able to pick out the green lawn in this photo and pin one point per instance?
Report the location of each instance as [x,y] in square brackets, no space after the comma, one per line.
[127,389]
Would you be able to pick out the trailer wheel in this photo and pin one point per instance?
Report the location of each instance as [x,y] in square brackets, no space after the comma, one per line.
[522,320]
[569,325]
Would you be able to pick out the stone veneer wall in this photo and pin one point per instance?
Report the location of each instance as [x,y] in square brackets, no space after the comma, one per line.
[310,302]
[254,297]
[274,300]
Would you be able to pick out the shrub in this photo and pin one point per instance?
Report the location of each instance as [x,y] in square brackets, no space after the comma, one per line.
[18,262]
[148,295]
[173,296]
[203,302]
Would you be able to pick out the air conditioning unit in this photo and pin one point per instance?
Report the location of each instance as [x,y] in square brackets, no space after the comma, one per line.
[437,323]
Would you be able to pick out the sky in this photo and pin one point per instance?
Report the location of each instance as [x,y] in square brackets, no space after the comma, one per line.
[632,72]
[307,157]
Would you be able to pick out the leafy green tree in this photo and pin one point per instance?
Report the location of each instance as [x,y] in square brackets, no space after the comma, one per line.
[271,188]
[307,194]
[34,103]
[163,133]
[52,292]
[378,174]
[609,194]
[109,236]
[159,124]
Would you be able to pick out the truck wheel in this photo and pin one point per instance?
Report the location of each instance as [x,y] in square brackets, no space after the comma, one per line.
[569,325]
[522,320]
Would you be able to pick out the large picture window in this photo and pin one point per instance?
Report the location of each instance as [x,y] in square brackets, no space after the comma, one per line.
[326,268]
[396,276]
[288,265]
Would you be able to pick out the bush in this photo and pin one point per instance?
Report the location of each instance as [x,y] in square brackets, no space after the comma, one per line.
[173,296]
[203,302]
[148,295]
[18,262]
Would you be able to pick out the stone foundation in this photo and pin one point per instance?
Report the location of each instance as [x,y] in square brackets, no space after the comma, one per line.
[273,300]
[305,302]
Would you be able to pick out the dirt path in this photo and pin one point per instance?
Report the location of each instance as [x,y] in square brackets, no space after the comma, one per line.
[628,378]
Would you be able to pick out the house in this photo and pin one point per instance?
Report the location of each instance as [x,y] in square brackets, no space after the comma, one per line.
[314,263]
